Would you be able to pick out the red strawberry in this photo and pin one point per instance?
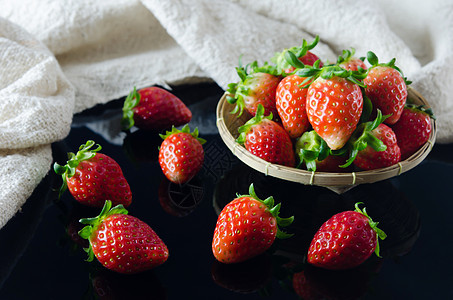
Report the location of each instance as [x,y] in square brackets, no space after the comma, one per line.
[369,158]
[93,177]
[349,62]
[257,86]
[291,101]
[345,241]
[296,57]
[413,129]
[267,139]
[334,107]
[122,243]
[386,87]
[154,108]
[247,227]
[181,154]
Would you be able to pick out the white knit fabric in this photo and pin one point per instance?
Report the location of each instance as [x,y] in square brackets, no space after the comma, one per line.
[60,57]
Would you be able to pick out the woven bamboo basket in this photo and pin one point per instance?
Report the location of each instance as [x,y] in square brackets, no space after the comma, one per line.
[228,125]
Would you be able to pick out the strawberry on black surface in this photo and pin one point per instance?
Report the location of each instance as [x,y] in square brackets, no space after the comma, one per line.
[154,108]
[92,177]
[247,227]
[345,241]
[123,243]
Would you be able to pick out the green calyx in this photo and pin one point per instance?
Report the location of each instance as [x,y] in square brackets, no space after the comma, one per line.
[259,116]
[310,147]
[274,210]
[248,79]
[328,72]
[93,223]
[346,55]
[132,100]
[374,62]
[67,171]
[380,234]
[290,57]
[363,137]
[422,109]
[185,129]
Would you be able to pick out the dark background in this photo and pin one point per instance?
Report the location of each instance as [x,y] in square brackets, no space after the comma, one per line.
[39,260]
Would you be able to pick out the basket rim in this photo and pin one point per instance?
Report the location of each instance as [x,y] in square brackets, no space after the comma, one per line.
[337,181]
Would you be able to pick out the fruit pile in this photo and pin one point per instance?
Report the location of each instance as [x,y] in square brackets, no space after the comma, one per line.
[329,117]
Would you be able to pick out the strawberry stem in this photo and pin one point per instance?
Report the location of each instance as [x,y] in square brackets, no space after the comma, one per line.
[132,100]
[380,234]
[68,170]
[185,129]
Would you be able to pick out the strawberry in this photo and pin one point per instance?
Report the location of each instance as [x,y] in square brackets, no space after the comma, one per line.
[267,139]
[314,152]
[122,243]
[93,177]
[154,108]
[334,103]
[290,101]
[413,129]
[372,145]
[369,158]
[386,87]
[296,57]
[181,154]
[349,62]
[257,86]
[246,227]
[345,241]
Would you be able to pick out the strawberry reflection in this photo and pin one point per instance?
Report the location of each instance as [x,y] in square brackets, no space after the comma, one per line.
[179,200]
[245,277]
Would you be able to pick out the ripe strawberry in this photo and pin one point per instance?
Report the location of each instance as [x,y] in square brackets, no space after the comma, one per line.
[345,241]
[181,154]
[334,105]
[247,227]
[93,177]
[386,87]
[122,243]
[413,129]
[296,57]
[154,108]
[349,62]
[369,158]
[257,86]
[267,139]
[290,101]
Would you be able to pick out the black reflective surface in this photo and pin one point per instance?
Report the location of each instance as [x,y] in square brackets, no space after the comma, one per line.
[41,256]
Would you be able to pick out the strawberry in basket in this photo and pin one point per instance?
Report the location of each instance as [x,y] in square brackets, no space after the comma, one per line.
[267,139]
[285,60]
[257,86]
[386,87]
[413,129]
